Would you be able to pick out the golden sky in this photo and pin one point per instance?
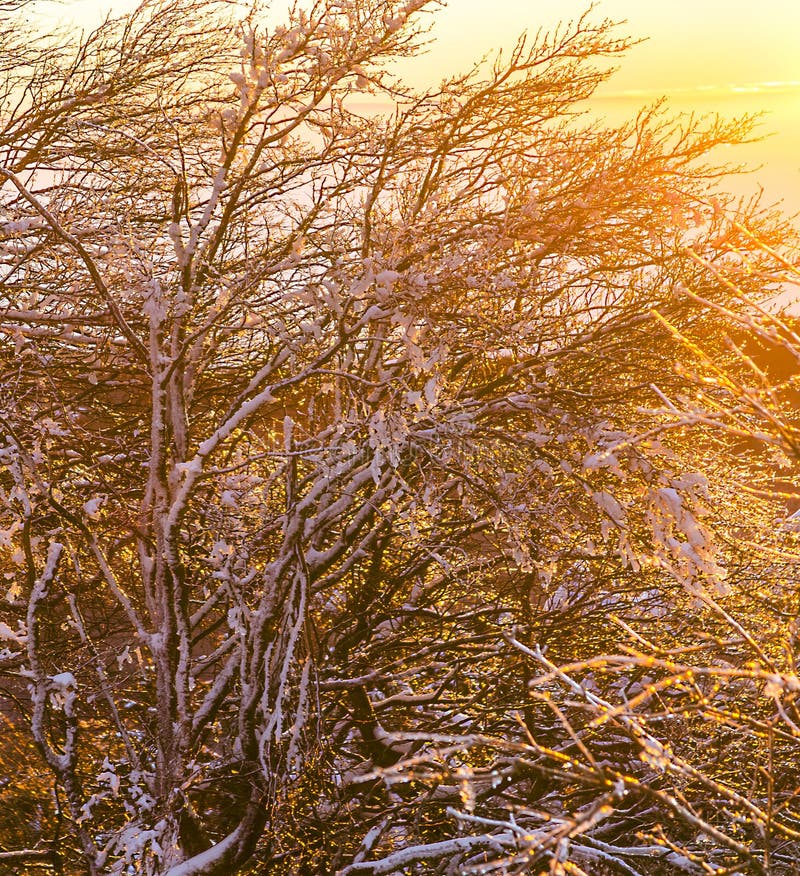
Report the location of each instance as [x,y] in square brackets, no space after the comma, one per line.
[691,43]
[733,56]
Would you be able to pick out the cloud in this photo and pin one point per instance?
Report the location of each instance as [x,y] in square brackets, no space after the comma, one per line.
[705,91]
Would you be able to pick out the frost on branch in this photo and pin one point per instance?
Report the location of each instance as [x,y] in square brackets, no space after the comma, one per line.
[344,462]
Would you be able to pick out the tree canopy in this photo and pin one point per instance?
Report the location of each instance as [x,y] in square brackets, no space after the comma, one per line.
[380,467]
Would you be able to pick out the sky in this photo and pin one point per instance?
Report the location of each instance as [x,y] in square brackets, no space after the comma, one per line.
[732,56]
[691,43]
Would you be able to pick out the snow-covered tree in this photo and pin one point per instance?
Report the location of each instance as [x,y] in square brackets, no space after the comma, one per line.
[325,402]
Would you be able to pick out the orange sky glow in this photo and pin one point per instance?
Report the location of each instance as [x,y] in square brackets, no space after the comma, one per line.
[690,44]
[727,56]
[730,56]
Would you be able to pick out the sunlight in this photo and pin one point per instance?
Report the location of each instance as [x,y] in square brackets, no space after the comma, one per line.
[397,491]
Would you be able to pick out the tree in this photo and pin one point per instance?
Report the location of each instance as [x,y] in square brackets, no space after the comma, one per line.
[316,418]
[705,701]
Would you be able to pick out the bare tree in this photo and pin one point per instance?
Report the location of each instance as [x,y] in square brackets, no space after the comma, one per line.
[313,410]
[669,743]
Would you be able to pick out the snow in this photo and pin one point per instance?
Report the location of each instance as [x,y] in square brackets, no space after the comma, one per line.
[7,634]
[92,507]
[64,680]
[205,860]
[610,505]
[672,501]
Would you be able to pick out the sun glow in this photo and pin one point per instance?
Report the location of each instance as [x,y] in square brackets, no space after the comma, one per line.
[686,43]
[703,56]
